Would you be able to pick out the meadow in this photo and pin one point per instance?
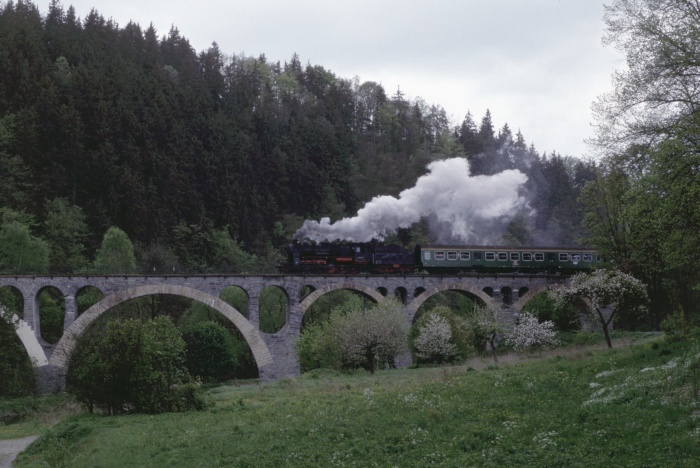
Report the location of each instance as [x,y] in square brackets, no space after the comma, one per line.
[579,406]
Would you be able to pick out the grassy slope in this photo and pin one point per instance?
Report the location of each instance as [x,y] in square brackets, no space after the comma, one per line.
[624,407]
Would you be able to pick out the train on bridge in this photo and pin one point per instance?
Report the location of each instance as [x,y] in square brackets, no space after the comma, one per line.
[376,258]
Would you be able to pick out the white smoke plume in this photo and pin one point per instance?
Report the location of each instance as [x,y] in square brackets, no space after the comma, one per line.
[465,209]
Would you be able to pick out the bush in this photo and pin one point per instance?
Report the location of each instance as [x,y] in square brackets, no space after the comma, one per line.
[675,326]
[318,348]
[135,366]
[211,352]
[434,340]
[367,338]
[431,342]
[564,316]
[529,334]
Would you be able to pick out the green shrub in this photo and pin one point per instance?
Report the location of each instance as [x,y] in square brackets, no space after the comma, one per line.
[211,352]
[461,336]
[675,326]
[564,316]
[134,366]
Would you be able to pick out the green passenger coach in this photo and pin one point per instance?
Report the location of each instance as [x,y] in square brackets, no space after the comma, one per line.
[447,258]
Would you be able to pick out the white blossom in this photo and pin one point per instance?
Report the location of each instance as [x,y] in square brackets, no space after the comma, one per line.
[530,334]
[434,340]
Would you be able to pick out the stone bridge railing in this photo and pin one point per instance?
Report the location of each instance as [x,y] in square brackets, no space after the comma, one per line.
[274,352]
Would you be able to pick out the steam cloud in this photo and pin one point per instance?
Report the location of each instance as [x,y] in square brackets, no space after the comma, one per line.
[458,207]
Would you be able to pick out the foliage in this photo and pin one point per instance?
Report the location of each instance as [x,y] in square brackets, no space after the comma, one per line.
[88,297]
[116,253]
[485,326]
[434,340]
[372,337]
[134,366]
[272,308]
[358,337]
[610,292]
[564,316]
[318,347]
[339,300]
[20,250]
[66,231]
[51,314]
[675,326]
[458,339]
[529,334]
[212,353]
[644,208]
[227,156]
[16,373]
[660,39]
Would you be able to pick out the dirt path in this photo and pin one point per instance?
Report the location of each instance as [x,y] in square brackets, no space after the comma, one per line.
[9,449]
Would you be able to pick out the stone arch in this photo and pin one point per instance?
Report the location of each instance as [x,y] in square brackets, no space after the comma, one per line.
[520,303]
[285,312]
[401,294]
[86,289]
[40,327]
[64,349]
[413,307]
[311,298]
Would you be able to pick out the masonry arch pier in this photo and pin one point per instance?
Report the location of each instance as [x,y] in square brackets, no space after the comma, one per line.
[274,352]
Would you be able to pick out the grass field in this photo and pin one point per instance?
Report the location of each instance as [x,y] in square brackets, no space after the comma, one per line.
[630,406]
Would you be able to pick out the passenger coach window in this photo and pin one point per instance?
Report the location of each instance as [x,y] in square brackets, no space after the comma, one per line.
[426,255]
[515,256]
[527,257]
[439,255]
[464,255]
[452,255]
[575,257]
[563,257]
[539,257]
[587,257]
[502,255]
[490,256]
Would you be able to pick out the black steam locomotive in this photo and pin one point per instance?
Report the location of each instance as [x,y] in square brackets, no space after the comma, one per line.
[357,258]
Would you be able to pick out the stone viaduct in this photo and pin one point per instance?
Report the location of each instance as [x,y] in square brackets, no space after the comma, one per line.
[273,352]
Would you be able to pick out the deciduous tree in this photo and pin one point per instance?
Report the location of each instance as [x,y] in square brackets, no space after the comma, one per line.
[661,40]
[610,292]
[116,254]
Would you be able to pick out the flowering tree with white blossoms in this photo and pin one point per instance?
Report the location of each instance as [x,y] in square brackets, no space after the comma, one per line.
[610,292]
[529,334]
[368,336]
[434,340]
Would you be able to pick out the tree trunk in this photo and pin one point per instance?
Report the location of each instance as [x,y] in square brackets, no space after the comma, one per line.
[493,347]
[607,335]
[605,324]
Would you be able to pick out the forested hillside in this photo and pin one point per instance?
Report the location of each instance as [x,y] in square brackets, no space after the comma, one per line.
[205,159]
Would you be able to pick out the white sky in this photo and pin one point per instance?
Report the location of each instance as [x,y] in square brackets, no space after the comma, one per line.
[536,64]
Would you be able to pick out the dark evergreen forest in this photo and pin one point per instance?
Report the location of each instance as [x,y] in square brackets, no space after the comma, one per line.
[210,161]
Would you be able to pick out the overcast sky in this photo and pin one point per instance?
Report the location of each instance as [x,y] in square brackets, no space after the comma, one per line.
[536,64]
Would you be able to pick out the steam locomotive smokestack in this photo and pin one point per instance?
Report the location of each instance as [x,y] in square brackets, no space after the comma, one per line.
[464,208]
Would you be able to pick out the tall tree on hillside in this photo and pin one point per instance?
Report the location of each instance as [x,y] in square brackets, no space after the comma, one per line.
[468,136]
[661,39]
[66,233]
[21,252]
[116,254]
